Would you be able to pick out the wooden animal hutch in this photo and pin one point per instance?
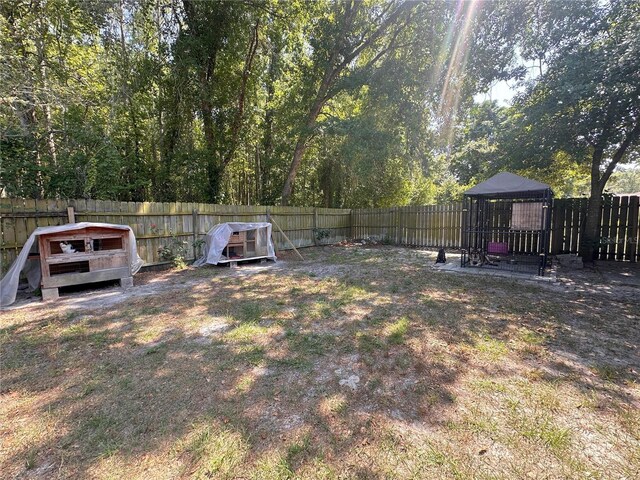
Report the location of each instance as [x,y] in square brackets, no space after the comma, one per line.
[246,245]
[84,255]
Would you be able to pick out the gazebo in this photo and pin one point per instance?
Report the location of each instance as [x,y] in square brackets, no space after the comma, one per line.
[506,224]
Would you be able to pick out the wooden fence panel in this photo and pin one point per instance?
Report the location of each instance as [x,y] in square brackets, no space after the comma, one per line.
[158,224]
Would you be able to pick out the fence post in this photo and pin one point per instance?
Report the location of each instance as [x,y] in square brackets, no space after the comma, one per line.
[315,226]
[350,224]
[397,225]
[71,215]
[195,228]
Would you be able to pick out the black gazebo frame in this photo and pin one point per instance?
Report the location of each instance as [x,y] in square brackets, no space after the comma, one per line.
[506,224]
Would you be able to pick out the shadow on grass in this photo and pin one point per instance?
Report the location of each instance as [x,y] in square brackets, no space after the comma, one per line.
[144,379]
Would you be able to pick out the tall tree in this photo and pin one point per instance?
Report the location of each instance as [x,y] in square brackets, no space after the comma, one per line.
[587,103]
[349,40]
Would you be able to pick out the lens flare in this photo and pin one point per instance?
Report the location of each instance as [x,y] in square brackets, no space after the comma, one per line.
[455,49]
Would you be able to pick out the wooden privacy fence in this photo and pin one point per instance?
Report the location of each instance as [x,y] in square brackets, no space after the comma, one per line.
[440,226]
[619,227]
[421,226]
[157,224]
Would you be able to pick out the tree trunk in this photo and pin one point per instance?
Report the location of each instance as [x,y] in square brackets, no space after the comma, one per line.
[589,237]
[591,232]
[342,55]
[303,138]
[298,153]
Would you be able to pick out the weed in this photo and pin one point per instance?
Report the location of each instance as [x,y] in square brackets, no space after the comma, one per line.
[30,459]
[246,332]
[298,448]
[251,354]
[99,339]
[309,343]
[336,404]
[530,337]
[491,348]
[73,332]
[484,385]
[215,451]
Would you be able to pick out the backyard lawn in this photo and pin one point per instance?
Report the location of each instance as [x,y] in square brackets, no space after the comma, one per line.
[361,362]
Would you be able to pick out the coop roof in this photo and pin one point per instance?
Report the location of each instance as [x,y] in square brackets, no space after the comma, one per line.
[507,184]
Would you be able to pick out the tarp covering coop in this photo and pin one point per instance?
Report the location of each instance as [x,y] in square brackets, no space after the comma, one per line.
[227,242]
[31,268]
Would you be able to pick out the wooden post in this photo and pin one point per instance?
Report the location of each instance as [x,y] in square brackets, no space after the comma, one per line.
[195,228]
[397,225]
[632,229]
[315,227]
[71,214]
[285,236]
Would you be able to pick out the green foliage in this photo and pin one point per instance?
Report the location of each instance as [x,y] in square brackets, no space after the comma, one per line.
[177,251]
[321,233]
[206,101]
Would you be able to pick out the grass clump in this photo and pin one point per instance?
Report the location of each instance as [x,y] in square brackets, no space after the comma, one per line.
[335,404]
[606,372]
[250,312]
[397,331]
[246,332]
[368,343]
[215,451]
[491,348]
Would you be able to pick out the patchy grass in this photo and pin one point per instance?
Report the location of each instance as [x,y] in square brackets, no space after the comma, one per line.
[352,364]
[397,331]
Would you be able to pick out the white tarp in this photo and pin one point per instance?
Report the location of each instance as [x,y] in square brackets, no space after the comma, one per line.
[9,283]
[218,237]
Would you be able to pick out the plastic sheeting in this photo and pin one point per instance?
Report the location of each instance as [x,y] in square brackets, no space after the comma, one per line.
[218,237]
[9,283]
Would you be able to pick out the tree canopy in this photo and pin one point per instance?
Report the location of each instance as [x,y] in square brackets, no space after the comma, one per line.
[327,103]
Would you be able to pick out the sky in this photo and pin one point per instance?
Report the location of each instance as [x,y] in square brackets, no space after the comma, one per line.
[502,92]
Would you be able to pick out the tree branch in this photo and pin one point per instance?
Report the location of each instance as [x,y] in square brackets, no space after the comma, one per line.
[633,135]
[377,33]
[246,72]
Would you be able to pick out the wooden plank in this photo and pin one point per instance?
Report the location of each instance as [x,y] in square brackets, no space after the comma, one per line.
[85,277]
[605,225]
[622,228]
[575,225]
[633,229]
[612,237]
[422,239]
[7,233]
[557,226]
[566,234]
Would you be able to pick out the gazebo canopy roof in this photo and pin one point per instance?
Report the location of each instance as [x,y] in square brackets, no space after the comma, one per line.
[507,184]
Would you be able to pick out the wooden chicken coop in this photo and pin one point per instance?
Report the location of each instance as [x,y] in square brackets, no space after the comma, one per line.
[84,255]
[246,245]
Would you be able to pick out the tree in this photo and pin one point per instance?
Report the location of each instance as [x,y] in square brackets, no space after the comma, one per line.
[587,103]
[349,41]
